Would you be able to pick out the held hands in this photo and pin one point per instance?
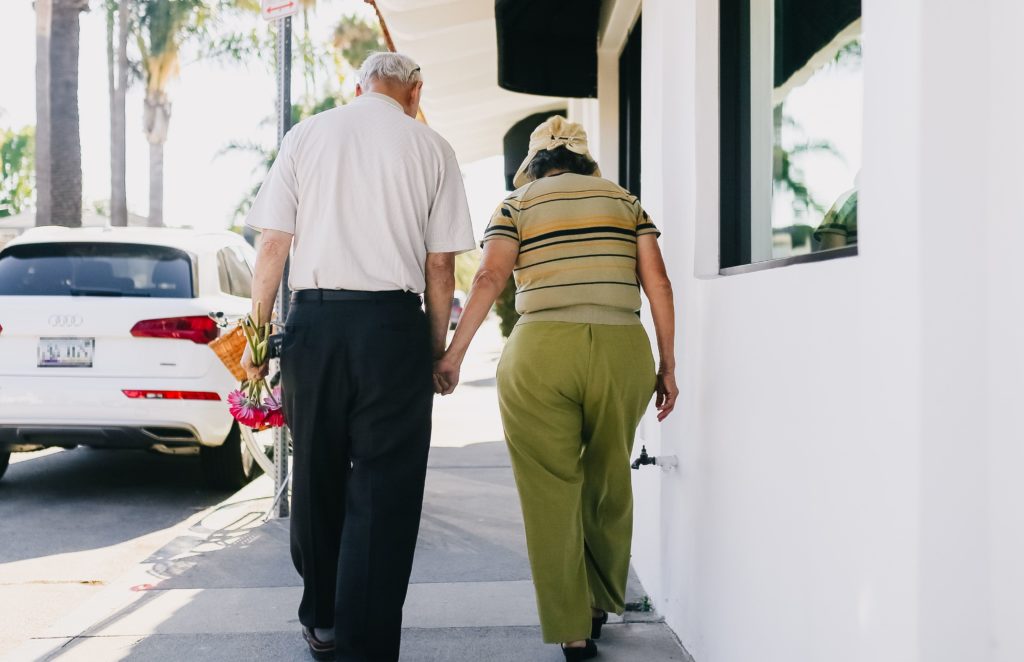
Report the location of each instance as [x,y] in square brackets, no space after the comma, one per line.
[667,393]
[446,374]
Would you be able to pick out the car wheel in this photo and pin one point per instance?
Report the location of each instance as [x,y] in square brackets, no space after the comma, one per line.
[5,460]
[229,466]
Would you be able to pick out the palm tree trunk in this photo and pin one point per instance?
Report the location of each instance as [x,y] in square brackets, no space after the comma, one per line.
[42,155]
[155,120]
[117,79]
[156,184]
[65,139]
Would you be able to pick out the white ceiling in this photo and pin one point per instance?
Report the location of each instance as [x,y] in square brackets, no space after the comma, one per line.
[455,43]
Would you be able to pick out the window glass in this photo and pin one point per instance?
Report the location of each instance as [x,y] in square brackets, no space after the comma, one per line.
[95,269]
[234,273]
[791,124]
[817,103]
[222,272]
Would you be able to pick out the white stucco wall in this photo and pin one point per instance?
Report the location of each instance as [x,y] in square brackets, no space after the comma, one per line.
[849,446]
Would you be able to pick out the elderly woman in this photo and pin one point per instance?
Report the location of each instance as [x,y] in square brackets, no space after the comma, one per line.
[577,373]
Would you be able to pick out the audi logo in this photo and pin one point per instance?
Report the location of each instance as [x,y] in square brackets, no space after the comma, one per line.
[65,321]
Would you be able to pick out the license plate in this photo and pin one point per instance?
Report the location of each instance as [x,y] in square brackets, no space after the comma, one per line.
[66,352]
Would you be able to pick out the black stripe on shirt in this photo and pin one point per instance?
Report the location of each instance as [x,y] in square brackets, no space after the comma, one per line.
[567,233]
[577,257]
[577,241]
[526,205]
[596,282]
[501,233]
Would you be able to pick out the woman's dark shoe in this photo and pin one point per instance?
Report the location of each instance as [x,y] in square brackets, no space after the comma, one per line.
[320,650]
[595,625]
[585,653]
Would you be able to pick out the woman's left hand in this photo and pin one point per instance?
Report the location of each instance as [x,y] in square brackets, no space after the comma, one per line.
[667,393]
[446,374]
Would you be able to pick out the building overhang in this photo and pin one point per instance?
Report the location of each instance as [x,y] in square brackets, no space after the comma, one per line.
[548,48]
[810,27]
[455,43]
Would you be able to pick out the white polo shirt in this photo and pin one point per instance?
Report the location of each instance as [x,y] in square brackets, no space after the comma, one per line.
[367,191]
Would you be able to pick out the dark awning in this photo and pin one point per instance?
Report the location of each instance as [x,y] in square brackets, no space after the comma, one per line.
[517,142]
[804,27]
[548,48]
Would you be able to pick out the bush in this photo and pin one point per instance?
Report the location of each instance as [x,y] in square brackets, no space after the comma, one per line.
[505,307]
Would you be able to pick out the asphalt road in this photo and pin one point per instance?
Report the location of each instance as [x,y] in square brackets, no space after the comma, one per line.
[72,521]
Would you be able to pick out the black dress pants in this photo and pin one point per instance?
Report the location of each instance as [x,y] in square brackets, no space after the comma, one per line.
[358,394]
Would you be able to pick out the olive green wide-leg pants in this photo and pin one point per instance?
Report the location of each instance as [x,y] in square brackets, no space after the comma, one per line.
[571,397]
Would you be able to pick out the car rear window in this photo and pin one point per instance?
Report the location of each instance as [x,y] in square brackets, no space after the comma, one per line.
[95,269]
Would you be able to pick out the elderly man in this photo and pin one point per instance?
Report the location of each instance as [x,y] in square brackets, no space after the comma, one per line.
[372,205]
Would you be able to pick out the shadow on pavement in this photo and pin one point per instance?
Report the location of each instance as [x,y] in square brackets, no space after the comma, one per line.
[84,499]
[227,590]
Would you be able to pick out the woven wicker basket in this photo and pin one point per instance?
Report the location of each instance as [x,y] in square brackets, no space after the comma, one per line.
[229,348]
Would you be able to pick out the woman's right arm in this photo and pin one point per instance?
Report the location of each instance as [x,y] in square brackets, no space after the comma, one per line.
[658,288]
[495,269]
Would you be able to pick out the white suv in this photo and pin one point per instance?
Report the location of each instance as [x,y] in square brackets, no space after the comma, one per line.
[103,343]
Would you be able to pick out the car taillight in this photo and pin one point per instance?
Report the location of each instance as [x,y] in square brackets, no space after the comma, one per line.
[171,395]
[201,330]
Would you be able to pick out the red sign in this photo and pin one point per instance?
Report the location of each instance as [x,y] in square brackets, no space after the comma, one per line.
[272,10]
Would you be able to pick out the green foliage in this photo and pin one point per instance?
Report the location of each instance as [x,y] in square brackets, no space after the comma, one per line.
[850,56]
[642,605]
[355,39]
[162,26]
[505,307]
[466,265]
[17,170]
[788,176]
[247,46]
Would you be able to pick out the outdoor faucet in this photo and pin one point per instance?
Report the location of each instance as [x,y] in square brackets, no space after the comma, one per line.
[644,459]
[666,462]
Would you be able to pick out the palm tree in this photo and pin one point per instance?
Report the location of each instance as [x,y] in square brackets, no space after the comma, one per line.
[42,151]
[162,26]
[117,83]
[62,177]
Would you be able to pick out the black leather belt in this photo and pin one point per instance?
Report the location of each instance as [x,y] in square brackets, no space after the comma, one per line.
[317,296]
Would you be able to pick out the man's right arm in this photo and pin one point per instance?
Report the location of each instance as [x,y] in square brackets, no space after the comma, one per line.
[266,281]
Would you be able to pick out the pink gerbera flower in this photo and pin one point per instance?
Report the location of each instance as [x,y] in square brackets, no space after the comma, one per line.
[246,411]
[275,418]
[274,409]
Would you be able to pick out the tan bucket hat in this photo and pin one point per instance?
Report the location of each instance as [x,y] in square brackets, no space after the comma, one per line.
[554,132]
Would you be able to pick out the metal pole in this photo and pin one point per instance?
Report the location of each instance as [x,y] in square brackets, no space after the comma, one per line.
[284,122]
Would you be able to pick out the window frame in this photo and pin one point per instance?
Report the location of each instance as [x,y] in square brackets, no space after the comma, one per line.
[735,151]
[630,101]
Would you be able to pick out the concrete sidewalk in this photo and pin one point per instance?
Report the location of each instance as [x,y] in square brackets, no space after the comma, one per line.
[227,590]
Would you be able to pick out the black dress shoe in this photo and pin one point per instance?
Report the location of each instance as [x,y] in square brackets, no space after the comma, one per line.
[595,625]
[585,653]
[320,650]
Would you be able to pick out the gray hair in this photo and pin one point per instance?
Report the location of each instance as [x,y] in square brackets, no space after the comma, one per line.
[392,67]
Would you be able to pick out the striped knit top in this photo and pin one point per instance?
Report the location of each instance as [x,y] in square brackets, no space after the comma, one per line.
[577,239]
